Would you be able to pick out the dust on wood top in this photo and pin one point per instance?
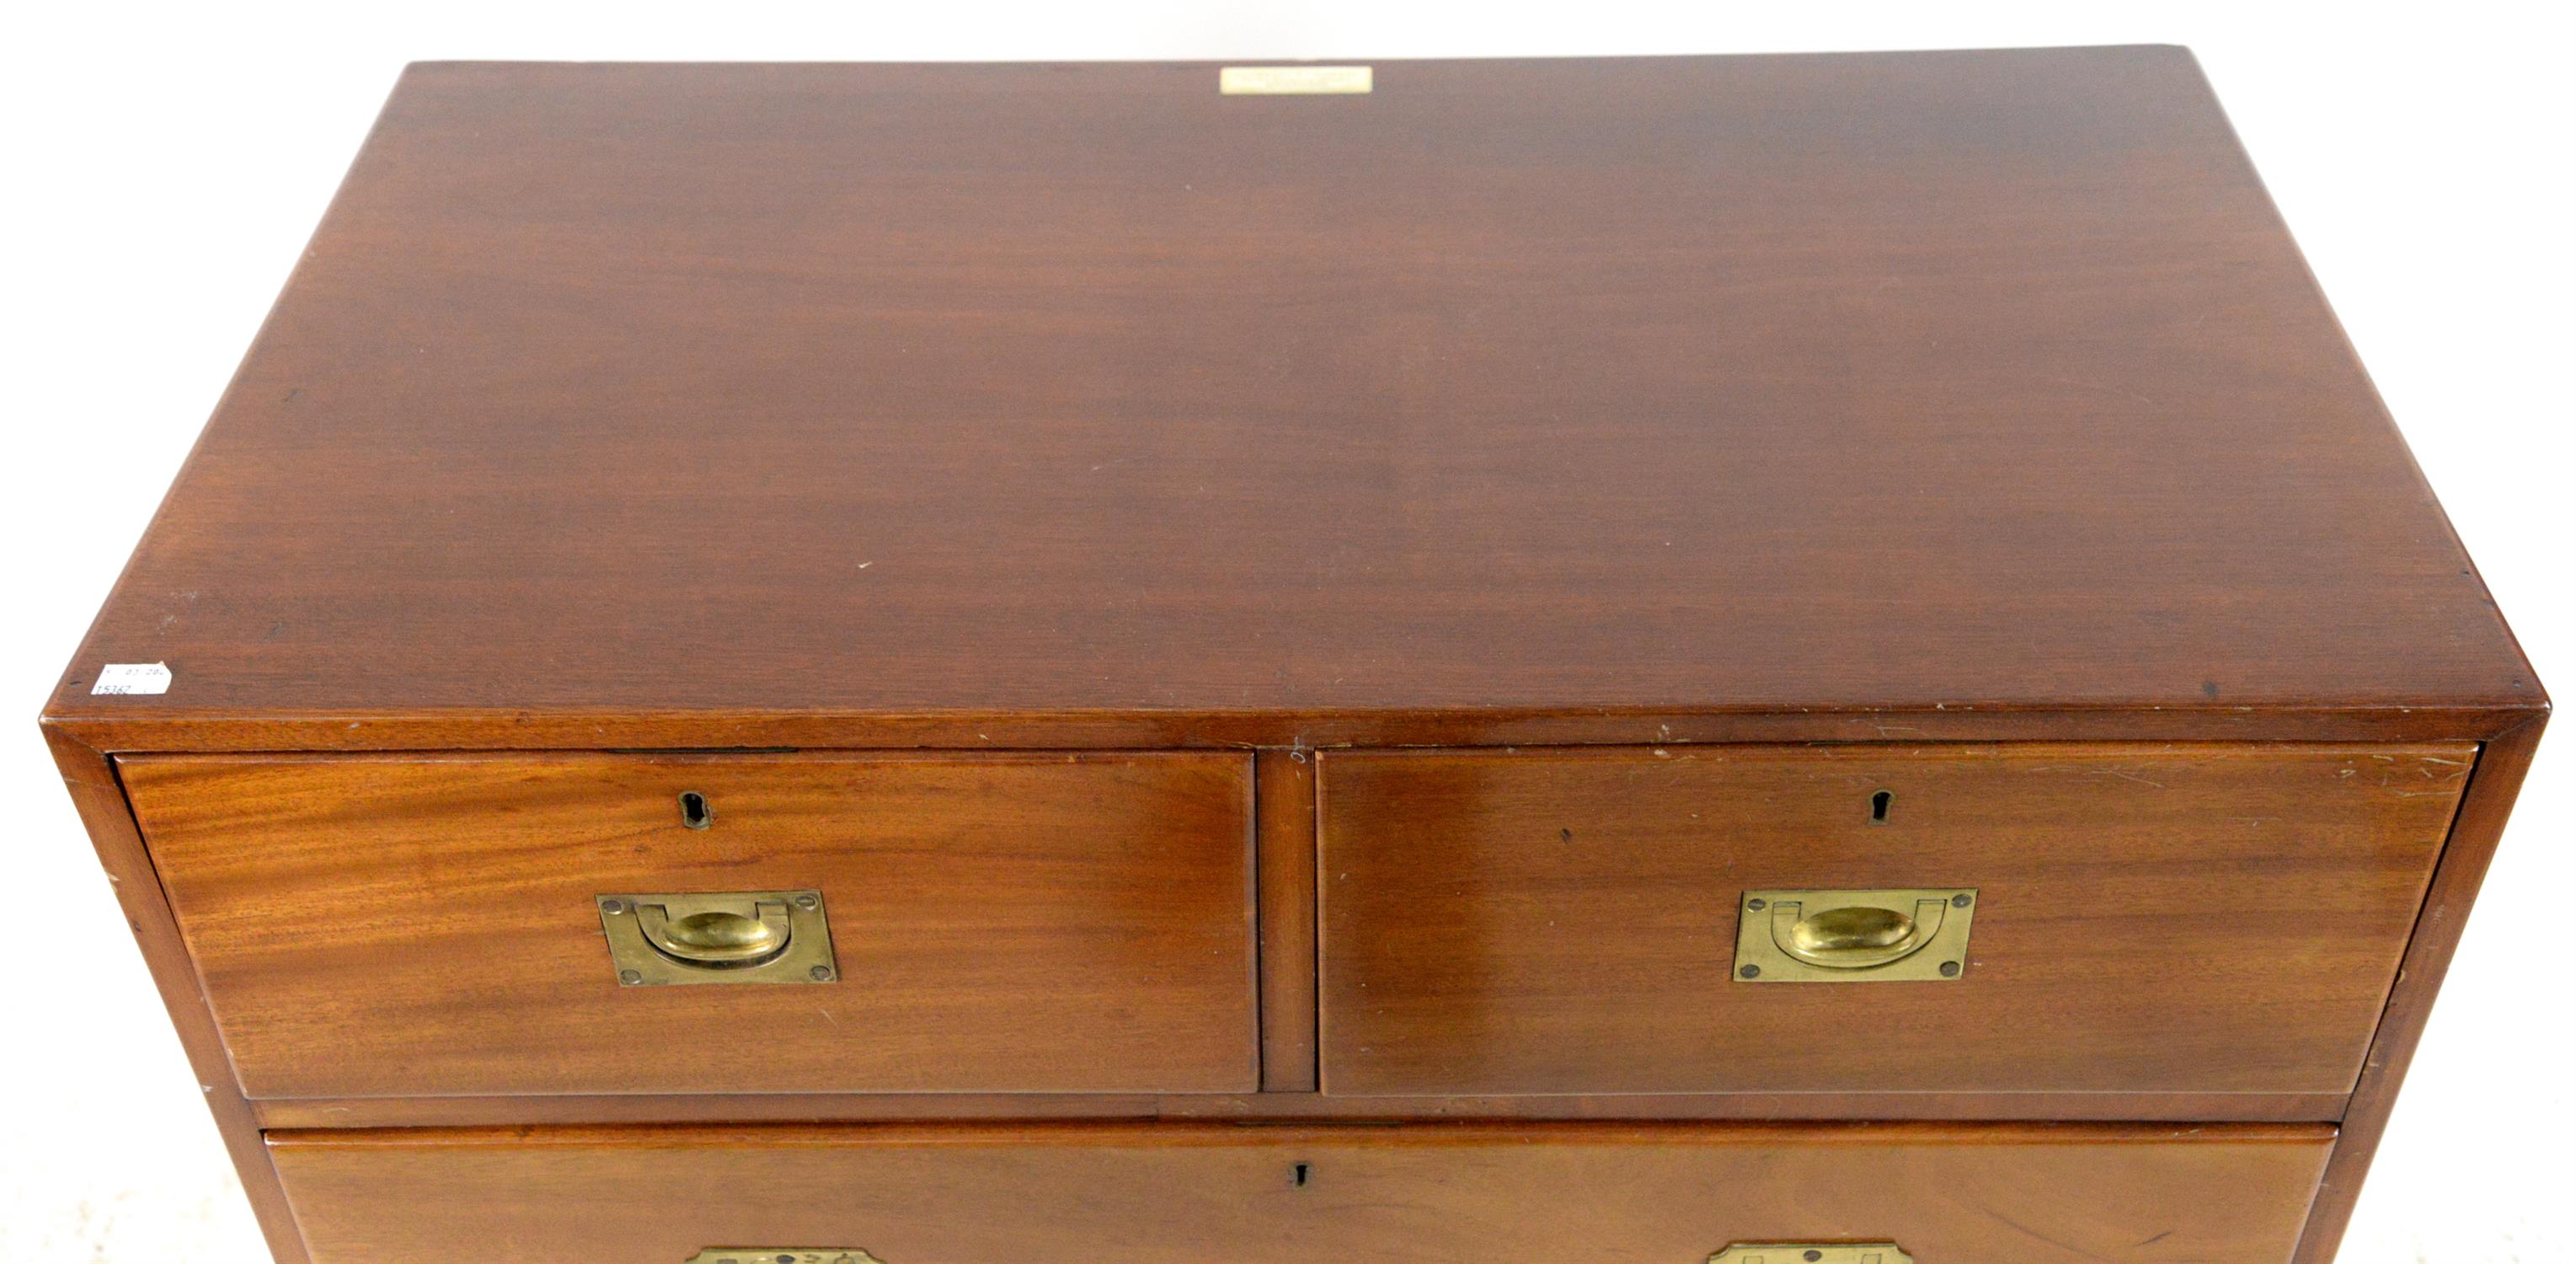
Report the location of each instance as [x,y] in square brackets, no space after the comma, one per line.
[1943,380]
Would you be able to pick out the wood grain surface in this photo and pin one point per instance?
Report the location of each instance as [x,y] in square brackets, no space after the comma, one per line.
[1284,1106]
[916,396]
[1285,837]
[1641,405]
[2032,1194]
[425,925]
[91,777]
[2472,846]
[2175,919]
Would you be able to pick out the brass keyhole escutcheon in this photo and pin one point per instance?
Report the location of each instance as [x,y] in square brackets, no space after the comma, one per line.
[1812,1253]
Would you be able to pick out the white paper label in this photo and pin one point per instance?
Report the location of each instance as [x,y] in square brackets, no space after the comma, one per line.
[1271,81]
[132,678]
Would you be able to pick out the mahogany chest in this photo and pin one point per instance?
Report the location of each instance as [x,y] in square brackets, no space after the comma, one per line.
[1820,658]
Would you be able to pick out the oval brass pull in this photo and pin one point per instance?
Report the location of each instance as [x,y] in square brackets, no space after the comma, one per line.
[1855,937]
[719,939]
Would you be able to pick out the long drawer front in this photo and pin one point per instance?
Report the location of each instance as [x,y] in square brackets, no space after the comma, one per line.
[1190,1194]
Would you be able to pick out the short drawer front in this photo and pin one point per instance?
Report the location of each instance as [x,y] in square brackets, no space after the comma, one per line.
[2201,919]
[429,926]
[1178,1194]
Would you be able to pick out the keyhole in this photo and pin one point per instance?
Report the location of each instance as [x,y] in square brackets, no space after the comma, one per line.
[1299,1175]
[695,811]
[1878,806]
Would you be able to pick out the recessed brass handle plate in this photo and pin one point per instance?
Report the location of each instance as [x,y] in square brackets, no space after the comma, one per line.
[718,937]
[783,1255]
[1916,934]
[1812,1253]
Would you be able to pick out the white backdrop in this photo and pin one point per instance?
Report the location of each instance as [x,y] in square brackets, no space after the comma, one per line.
[163,169]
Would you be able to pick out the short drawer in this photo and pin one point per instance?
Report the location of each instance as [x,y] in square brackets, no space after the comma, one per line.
[1185,1194]
[2213,919]
[436,925]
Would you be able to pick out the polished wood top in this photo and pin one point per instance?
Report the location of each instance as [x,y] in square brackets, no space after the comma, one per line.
[1981,382]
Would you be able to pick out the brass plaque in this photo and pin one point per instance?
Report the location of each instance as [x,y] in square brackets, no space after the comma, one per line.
[1916,934]
[1255,81]
[718,937]
[783,1255]
[1812,1253]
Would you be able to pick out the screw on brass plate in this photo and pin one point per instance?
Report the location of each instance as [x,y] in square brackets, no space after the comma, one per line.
[1949,969]
[820,974]
[806,901]
[612,906]
[630,976]
[695,811]
[1755,905]
[1813,1255]
[1751,972]
[1960,901]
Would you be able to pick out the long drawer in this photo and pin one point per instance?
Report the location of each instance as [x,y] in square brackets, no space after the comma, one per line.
[2115,919]
[451,924]
[1191,1194]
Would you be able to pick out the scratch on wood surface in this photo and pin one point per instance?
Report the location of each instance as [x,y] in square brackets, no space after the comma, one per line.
[2126,775]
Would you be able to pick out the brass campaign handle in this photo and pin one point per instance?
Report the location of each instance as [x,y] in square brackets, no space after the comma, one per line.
[1881,935]
[718,937]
